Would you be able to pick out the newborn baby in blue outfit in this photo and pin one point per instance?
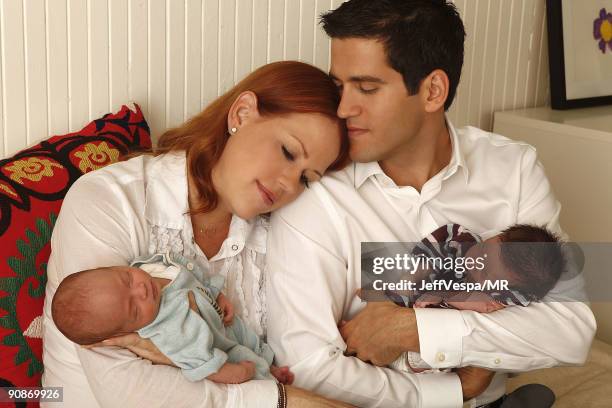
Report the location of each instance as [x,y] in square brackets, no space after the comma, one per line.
[187,318]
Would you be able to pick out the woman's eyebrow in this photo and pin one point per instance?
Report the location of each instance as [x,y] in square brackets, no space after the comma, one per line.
[301,144]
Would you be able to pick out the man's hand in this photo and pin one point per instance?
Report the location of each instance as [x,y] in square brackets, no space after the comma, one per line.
[227,307]
[474,381]
[380,333]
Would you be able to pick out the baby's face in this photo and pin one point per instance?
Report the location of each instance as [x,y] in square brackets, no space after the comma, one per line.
[494,267]
[126,298]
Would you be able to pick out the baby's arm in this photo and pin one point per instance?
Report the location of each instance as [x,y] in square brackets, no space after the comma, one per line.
[234,373]
[476,301]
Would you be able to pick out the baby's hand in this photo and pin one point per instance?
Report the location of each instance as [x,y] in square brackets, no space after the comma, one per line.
[231,373]
[476,301]
[282,374]
[228,309]
[427,300]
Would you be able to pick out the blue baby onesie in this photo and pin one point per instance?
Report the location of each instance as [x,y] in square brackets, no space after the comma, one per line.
[199,344]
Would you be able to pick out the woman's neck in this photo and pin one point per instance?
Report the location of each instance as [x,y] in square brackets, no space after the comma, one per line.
[211,228]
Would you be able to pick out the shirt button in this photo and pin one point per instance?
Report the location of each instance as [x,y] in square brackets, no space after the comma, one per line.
[189,266]
[440,357]
[497,361]
[234,247]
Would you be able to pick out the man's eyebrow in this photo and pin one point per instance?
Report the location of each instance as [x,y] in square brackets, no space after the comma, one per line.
[360,78]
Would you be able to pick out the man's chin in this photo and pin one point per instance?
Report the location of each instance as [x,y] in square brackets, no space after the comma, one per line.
[362,156]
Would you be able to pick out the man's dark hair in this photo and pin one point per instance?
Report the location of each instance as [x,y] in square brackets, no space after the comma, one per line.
[419,36]
[535,256]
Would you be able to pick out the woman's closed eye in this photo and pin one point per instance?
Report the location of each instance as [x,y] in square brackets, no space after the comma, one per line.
[288,155]
[291,157]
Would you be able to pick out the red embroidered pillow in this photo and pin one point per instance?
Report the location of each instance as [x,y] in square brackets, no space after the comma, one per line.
[32,186]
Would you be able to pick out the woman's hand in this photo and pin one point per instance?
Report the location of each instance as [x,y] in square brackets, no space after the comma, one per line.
[142,347]
[228,309]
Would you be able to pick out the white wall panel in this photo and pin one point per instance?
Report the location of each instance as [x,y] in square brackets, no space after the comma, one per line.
[36,74]
[244,39]
[99,72]
[138,53]
[175,63]
[65,62]
[210,56]
[118,52]
[157,66]
[13,76]
[78,64]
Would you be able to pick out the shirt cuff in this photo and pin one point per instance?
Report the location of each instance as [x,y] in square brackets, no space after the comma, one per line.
[432,383]
[253,394]
[415,361]
[441,333]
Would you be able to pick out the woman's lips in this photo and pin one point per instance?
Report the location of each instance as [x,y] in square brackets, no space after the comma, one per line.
[266,194]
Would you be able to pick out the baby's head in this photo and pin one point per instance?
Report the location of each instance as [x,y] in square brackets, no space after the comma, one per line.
[530,258]
[96,304]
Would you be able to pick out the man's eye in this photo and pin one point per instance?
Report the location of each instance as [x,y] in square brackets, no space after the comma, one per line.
[288,154]
[367,90]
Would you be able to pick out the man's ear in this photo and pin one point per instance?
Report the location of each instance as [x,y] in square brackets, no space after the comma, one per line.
[435,90]
[243,110]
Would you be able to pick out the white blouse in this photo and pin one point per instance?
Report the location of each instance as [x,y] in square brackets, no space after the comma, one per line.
[109,217]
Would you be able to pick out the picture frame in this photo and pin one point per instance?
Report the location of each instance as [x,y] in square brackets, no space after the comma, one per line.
[580,52]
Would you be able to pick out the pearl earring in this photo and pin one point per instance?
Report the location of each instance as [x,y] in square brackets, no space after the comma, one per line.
[233,130]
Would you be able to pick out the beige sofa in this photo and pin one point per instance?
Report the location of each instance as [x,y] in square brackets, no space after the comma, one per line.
[589,386]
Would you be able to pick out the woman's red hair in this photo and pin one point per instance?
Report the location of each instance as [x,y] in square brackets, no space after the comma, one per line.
[281,88]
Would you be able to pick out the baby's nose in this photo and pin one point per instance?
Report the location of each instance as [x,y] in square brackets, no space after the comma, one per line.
[140,290]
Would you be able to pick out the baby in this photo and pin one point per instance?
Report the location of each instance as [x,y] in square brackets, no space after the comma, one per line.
[530,259]
[167,299]
[530,270]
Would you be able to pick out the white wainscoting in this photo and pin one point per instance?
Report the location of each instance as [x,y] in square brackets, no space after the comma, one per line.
[65,62]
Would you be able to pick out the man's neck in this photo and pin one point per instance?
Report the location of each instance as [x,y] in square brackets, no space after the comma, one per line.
[428,153]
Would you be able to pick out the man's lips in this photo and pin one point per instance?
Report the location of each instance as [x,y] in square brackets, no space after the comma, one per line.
[266,194]
[355,131]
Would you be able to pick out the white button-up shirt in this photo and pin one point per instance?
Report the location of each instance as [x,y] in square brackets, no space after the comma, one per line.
[111,216]
[313,271]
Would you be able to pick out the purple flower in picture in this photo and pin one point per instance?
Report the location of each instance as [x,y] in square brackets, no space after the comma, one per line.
[602,30]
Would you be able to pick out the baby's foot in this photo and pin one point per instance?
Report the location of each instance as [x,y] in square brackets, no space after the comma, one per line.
[282,374]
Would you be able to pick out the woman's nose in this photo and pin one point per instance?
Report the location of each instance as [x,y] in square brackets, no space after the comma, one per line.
[290,182]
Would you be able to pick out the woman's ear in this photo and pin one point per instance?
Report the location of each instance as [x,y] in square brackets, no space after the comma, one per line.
[435,89]
[243,110]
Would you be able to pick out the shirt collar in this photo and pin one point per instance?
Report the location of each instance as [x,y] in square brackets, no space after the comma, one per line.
[457,156]
[364,171]
[166,191]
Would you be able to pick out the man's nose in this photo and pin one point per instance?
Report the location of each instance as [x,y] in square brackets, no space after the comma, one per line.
[347,107]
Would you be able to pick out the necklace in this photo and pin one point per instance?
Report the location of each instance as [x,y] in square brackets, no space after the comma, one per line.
[211,229]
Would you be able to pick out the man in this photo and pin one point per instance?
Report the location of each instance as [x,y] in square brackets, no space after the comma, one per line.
[397,64]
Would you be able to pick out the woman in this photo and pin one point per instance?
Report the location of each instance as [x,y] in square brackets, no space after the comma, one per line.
[250,152]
